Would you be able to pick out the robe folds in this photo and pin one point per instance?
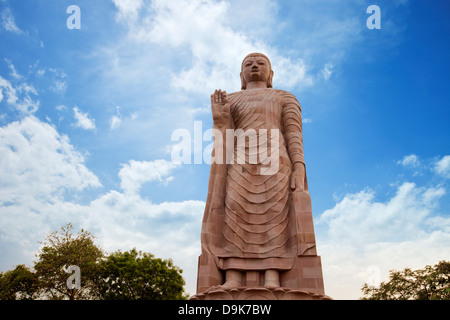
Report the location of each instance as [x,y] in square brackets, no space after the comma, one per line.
[252,218]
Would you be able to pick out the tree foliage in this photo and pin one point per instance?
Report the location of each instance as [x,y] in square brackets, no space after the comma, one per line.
[429,283]
[20,283]
[130,275]
[134,275]
[60,251]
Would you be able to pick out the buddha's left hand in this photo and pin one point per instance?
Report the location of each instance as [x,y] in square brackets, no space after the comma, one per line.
[298,177]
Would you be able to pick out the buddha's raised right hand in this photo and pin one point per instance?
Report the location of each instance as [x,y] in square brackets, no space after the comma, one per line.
[220,106]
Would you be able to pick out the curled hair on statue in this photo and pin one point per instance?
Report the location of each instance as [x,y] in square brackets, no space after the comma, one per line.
[269,81]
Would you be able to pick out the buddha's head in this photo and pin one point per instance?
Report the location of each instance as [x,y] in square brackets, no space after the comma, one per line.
[256,67]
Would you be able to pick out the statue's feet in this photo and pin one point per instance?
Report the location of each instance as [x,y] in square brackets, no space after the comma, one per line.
[233,279]
[231,284]
[272,279]
[269,284]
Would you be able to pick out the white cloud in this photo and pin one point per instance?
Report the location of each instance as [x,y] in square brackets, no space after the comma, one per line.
[38,168]
[442,167]
[135,173]
[360,233]
[83,120]
[8,21]
[207,40]
[327,71]
[115,122]
[14,72]
[27,88]
[291,74]
[216,47]
[411,161]
[61,107]
[37,161]
[203,28]
[59,86]
[58,77]
[6,89]
[27,105]
[128,9]
[19,96]
[396,219]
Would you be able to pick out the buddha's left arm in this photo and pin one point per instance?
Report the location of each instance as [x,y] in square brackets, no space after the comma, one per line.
[292,129]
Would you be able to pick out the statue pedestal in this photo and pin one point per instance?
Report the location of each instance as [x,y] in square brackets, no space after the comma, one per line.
[257,293]
[304,279]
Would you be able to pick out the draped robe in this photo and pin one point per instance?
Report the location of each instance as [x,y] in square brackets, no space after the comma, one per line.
[250,221]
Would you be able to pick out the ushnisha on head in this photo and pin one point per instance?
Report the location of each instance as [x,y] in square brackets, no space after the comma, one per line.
[256,72]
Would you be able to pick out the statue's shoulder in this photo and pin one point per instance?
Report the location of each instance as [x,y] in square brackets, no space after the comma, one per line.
[287,98]
[235,94]
[284,94]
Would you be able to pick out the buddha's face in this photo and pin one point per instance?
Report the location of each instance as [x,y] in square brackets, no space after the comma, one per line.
[255,68]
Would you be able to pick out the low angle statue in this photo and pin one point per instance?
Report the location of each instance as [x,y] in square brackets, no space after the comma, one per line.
[257,233]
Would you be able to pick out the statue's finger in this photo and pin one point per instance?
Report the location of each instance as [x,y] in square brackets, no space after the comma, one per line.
[293,183]
[225,98]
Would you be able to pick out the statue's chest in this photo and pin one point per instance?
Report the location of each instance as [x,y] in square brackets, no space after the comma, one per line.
[257,108]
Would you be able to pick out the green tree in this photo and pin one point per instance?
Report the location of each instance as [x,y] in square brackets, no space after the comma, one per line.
[130,275]
[61,250]
[429,283]
[134,275]
[18,284]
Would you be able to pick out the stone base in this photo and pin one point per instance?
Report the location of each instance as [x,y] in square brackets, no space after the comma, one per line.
[258,293]
[306,275]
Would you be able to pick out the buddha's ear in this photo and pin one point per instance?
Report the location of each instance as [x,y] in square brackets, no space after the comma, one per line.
[243,83]
[269,81]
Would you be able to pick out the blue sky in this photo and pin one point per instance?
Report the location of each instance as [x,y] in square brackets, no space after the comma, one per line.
[87,116]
